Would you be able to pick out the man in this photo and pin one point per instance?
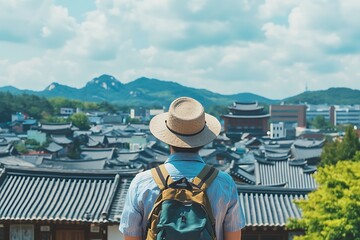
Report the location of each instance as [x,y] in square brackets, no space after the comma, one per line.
[186,128]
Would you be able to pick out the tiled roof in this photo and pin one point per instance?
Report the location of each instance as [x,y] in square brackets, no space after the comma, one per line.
[6,149]
[118,201]
[243,175]
[115,140]
[306,153]
[281,143]
[15,161]
[246,116]
[67,196]
[116,133]
[60,126]
[53,147]
[274,173]
[61,140]
[36,159]
[246,106]
[270,206]
[93,164]
[98,138]
[97,153]
[139,127]
[9,138]
[305,143]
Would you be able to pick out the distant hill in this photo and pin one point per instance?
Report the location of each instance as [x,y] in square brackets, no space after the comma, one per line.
[153,92]
[331,96]
[140,92]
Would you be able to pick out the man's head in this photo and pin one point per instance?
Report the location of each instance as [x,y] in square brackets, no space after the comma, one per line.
[185,125]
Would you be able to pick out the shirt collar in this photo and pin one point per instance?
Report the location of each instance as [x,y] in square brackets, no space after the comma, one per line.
[184,157]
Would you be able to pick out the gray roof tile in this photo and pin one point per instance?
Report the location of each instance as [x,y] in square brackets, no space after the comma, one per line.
[68,196]
[270,206]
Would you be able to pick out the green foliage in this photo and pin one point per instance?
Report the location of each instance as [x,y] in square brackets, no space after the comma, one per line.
[341,150]
[107,107]
[349,145]
[59,103]
[21,148]
[329,153]
[53,119]
[332,212]
[32,105]
[80,120]
[343,96]
[319,122]
[43,109]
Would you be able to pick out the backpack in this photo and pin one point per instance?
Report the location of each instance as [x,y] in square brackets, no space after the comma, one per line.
[182,210]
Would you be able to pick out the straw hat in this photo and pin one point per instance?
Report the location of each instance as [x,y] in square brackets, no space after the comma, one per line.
[185,125]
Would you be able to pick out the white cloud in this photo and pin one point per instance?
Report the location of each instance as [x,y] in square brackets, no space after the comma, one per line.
[35,23]
[272,48]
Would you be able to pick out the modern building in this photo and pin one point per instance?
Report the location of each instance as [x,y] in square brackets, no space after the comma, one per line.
[67,111]
[277,130]
[347,115]
[336,115]
[245,118]
[325,111]
[289,114]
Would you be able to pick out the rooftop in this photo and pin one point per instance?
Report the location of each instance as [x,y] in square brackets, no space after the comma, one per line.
[65,196]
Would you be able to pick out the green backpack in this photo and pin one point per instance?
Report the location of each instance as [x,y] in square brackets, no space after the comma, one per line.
[182,210]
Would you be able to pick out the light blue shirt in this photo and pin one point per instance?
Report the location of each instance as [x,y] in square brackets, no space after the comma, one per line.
[143,192]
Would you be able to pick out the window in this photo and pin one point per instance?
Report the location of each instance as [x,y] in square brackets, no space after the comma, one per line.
[21,232]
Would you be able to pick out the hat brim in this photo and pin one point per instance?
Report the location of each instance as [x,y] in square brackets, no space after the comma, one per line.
[159,129]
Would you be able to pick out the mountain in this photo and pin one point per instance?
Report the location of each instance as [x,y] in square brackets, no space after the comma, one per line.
[14,90]
[153,92]
[331,96]
[140,92]
[58,90]
[104,82]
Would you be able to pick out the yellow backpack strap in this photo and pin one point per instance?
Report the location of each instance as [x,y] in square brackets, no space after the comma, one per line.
[161,176]
[205,177]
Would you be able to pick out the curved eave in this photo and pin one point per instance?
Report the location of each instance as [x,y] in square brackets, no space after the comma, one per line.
[55,221]
[245,117]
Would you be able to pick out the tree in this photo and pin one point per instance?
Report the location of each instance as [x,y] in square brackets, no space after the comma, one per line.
[320,122]
[329,153]
[350,144]
[332,212]
[80,120]
[341,150]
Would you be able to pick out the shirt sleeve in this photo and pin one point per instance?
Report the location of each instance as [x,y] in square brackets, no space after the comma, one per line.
[131,218]
[234,218]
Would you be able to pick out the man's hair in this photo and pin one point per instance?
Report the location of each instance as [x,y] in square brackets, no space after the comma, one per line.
[186,150]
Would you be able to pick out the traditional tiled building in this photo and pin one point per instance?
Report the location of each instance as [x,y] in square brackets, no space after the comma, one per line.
[61,205]
[64,129]
[245,118]
[267,210]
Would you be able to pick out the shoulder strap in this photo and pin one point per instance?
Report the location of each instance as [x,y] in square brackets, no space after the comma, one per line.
[205,177]
[161,176]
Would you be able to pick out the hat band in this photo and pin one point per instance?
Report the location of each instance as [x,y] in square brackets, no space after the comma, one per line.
[184,134]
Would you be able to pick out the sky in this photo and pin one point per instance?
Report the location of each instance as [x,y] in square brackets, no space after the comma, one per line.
[273,48]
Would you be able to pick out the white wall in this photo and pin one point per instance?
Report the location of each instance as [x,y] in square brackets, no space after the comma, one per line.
[114,233]
[277,130]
